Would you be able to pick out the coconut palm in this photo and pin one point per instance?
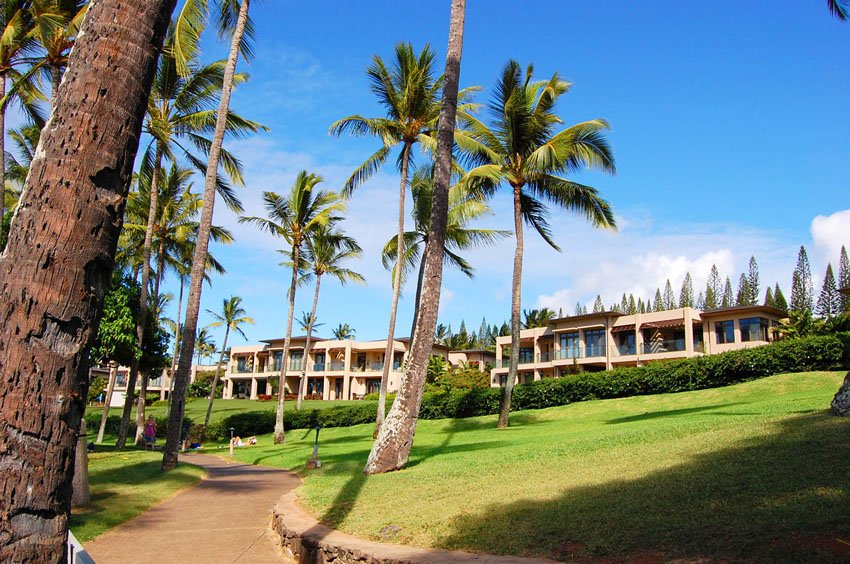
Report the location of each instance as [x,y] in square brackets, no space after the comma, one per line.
[463,209]
[839,8]
[203,342]
[232,316]
[305,322]
[295,218]
[394,440]
[232,19]
[410,94]
[523,150]
[343,332]
[326,251]
[57,23]
[537,317]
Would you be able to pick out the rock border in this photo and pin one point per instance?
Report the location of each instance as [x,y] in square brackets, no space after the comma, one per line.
[305,540]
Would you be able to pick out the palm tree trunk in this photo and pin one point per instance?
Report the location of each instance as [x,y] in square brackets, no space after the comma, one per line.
[389,351]
[143,308]
[57,268]
[392,447]
[505,403]
[215,378]
[279,432]
[419,280]
[199,259]
[302,385]
[177,334]
[55,81]
[143,388]
[2,154]
[113,375]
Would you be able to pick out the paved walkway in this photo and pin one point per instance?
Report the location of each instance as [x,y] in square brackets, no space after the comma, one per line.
[225,518]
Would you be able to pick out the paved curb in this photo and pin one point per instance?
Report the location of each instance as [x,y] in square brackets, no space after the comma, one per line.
[303,539]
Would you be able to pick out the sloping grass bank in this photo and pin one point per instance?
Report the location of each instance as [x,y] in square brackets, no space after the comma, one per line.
[755,471]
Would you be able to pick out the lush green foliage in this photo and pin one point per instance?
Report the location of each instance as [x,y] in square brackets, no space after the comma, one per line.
[97,387]
[463,377]
[262,422]
[114,421]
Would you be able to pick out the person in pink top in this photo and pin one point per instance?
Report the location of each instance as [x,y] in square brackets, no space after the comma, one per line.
[149,434]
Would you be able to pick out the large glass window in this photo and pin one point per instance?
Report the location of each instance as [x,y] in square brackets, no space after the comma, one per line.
[526,355]
[242,364]
[698,344]
[754,329]
[626,342]
[276,360]
[594,340]
[570,345]
[725,331]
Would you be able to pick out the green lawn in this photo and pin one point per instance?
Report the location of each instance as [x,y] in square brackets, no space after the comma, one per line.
[196,409]
[124,484]
[754,471]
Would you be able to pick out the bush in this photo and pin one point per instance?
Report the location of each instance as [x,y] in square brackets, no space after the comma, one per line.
[113,422]
[96,388]
[151,398]
[463,377]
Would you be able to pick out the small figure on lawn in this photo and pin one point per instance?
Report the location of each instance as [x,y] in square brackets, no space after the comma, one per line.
[149,434]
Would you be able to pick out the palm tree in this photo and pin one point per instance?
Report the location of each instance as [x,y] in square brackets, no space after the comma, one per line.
[203,342]
[343,332]
[62,298]
[392,446]
[295,218]
[232,316]
[463,209]
[523,150]
[839,8]
[537,318]
[232,18]
[57,25]
[305,322]
[409,93]
[326,250]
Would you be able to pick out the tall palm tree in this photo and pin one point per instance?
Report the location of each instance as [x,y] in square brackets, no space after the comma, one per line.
[523,150]
[203,342]
[16,42]
[58,301]
[343,332]
[409,93]
[232,18]
[232,316]
[464,208]
[295,218]
[537,318]
[305,321]
[327,250]
[839,8]
[57,25]
[395,438]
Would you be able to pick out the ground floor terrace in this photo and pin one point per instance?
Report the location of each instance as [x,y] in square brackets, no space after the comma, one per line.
[602,341]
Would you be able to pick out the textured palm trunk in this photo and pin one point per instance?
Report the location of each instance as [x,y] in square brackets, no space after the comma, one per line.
[302,384]
[55,81]
[279,432]
[176,350]
[2,152]
[392,447]
[420,277]
[215,378]
[143,308]
[389,351]
[113,375]
[505,403]
[199,259]
[58,265]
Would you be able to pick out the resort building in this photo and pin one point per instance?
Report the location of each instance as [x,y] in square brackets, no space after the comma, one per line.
[335,369]
[602,341]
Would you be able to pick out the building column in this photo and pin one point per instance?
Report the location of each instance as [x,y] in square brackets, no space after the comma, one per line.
[253,388]
[326,391]
[609,344]
[227,393]
[689,333]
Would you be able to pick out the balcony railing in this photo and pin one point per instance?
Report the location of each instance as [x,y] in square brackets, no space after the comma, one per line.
[337,366]
[568,353]
[244,369]
[319,367]
[664,346]
[295,365]
[545,357]
[626,350]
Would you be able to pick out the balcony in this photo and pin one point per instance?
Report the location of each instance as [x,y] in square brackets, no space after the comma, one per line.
[568,353]
[295,365]
[626,349]
[664,346]
[337,366]
[375,367]
[545,357]
[243,368]
[319,367]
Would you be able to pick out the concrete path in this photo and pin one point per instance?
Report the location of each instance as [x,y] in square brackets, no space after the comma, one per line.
[225,518]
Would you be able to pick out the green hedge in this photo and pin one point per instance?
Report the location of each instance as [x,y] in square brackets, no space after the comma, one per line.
[113,422]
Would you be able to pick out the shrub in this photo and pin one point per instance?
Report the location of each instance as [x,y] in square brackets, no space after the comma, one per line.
[463,377]
[96,388]
[151,398]
[114,421]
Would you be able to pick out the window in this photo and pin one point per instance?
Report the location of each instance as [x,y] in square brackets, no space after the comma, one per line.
[698,345]
[626,342]
[276,360]
[725,331]
[569,345]
[526,355]
[754,329]
[595,341]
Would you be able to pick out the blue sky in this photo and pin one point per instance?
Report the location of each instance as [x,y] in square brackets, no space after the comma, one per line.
[730,129]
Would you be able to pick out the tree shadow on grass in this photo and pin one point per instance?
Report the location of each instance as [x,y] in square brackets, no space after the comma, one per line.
[784,496]
[672,413]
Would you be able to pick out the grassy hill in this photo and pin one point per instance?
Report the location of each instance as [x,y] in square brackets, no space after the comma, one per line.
[754,471]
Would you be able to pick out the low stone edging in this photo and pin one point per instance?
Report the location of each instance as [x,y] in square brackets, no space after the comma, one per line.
[305,540]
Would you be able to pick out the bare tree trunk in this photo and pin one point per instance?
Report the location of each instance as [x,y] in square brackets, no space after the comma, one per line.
[143,311]
[58,264]
[392,447]
[389,351]
[279,431]
[215,378]
[302,384]
[113,375]
[199,260]
[177,334]
[505,403]
[419,280]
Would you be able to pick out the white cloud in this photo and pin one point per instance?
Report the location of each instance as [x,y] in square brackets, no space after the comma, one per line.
[829,233]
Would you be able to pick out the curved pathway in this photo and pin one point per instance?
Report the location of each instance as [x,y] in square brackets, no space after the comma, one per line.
[225,518]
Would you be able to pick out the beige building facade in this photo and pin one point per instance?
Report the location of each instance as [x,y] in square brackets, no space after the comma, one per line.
[602,341]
